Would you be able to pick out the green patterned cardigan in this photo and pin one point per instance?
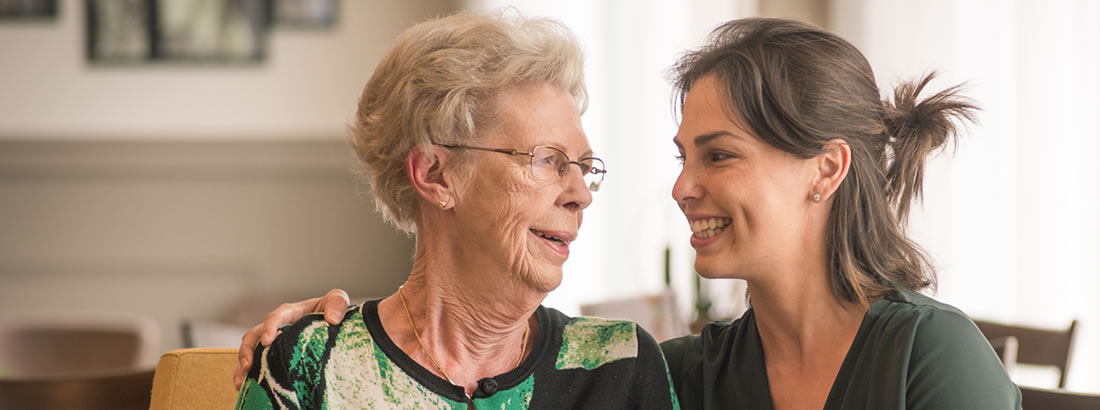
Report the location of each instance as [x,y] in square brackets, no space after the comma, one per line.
[575,363]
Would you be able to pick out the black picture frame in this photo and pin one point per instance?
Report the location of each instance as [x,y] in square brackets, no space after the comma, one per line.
[28,10]
[305,14]
[177,31]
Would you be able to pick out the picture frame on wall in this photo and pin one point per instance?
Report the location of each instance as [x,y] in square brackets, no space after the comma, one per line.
[28,10]
[119,31]
[188,31]
[305,14]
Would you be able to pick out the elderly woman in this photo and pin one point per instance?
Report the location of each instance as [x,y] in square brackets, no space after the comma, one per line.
[470,128]
[798,178]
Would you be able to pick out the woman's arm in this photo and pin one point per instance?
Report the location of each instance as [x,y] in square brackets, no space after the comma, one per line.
[333,304]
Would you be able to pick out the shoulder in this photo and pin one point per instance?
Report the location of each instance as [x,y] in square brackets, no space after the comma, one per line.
[715,339]
[929,320]
[289,371]
[305,343]
[937,332]
[313,330]
[591,342]
[951,364]
[691,359]
[622,357]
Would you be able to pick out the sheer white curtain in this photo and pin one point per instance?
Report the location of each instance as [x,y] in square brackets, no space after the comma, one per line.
[628,46]
[1011,217]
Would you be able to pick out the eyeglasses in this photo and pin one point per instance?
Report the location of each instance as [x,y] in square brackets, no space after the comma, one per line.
[551,164]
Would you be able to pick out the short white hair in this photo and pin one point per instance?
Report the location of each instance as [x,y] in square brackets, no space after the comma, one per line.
[437,83]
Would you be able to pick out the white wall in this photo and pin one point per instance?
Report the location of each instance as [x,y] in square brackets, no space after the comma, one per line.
[306,89]
[184,191]
[1010,218]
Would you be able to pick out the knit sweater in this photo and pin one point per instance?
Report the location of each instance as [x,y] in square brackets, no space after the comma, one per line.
[574,363]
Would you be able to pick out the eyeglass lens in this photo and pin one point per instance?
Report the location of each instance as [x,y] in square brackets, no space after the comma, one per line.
[551,164]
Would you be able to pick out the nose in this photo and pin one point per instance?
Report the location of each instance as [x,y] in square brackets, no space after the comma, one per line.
[686,189]
[576,195]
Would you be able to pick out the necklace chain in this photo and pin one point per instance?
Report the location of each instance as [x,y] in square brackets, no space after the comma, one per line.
[401,295]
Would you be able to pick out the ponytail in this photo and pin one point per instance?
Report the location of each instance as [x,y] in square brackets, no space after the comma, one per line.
[915,129]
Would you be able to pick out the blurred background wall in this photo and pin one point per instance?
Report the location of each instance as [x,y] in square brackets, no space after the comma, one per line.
[305,88]
[189,190]
[213,191]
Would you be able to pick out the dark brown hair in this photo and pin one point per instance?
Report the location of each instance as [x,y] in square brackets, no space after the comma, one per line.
[797,87]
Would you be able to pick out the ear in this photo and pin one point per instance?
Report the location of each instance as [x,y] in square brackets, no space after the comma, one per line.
[425,171]
[832,167]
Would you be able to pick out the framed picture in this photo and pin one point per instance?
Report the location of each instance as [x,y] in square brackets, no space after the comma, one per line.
[28,9]
[305,14]
[119,30]
[210,30]
[197,31]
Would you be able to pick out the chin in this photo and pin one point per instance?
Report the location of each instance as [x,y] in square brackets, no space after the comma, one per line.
[545,281]
[714,270]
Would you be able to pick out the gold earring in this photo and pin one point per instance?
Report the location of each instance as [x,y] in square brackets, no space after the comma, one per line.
[442,204]
[817,197]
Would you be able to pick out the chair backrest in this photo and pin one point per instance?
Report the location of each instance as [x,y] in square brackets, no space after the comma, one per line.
[1007,349]
[123,390]
[196,378]
[1058,399]
[66,346]
[1036,346]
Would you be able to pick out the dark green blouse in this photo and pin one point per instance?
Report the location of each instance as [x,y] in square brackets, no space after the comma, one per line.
[911,352]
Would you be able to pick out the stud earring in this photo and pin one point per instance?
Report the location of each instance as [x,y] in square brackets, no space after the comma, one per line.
[442,204]
[817,197]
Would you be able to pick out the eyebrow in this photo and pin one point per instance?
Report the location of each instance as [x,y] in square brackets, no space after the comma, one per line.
[703,139]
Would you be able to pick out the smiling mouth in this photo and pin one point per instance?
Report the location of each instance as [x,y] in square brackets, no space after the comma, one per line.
[551,238]
[708,227]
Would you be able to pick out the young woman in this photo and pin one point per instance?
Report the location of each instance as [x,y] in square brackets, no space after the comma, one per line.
[798,178]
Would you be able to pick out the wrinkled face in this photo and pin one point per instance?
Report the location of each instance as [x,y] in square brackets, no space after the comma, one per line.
[509,219]
[745,200]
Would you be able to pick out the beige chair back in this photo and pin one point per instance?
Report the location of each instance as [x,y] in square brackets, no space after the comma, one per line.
[196,378]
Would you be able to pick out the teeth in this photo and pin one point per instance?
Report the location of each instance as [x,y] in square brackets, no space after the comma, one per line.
[551,238]
[706,228]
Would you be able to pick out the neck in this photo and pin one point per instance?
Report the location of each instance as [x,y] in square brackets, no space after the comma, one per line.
[471,331]
[799,317]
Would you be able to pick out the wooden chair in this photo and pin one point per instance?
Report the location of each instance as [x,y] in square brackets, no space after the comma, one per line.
[63,346]
[80,362]
[1007,349]
[1045,399]
[123,390]
[1034,346]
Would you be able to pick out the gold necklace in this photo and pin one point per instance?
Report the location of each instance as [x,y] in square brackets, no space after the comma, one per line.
[401,295]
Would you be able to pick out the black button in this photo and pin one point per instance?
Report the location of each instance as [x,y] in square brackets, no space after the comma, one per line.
[488,386]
